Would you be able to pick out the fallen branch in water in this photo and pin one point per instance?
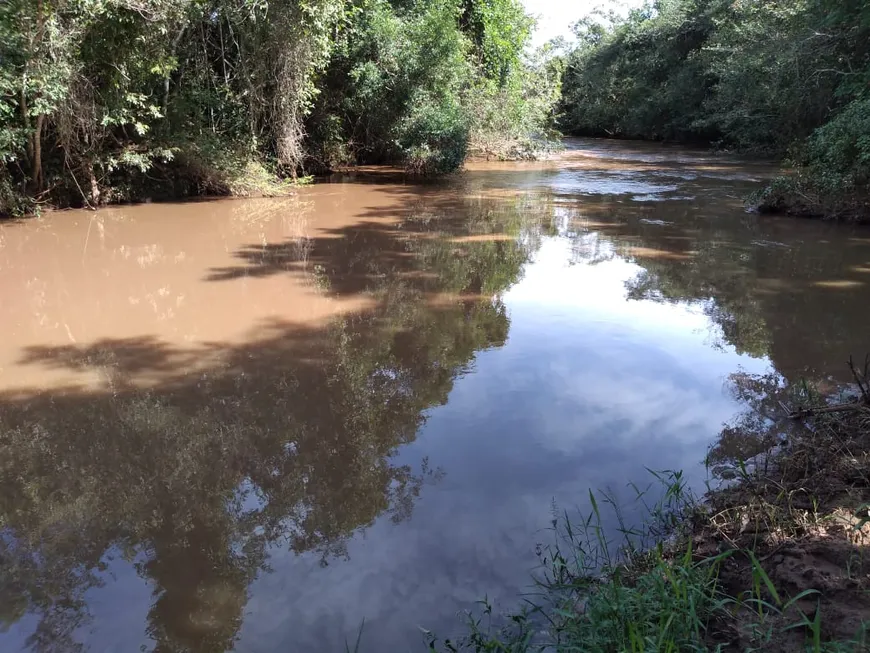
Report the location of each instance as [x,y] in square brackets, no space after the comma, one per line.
[861,378]
[862,404]
[835,408]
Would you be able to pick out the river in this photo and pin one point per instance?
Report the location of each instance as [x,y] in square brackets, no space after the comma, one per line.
[253,425]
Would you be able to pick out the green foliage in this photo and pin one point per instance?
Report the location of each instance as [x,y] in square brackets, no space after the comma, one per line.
[434,138]
[838,152]
[417,83]
[764,77]
[95,93]
[499,29]
[516,119]
[639,77]
[392,90]
[833,170]
[641,595]
[12,201]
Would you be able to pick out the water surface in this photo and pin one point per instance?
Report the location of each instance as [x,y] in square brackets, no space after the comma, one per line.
[251,425]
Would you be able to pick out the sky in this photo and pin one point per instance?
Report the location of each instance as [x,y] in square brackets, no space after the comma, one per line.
[555,17]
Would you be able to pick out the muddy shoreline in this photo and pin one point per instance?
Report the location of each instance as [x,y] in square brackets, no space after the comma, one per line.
[801,515]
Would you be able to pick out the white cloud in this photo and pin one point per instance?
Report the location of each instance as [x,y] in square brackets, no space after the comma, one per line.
[555,17]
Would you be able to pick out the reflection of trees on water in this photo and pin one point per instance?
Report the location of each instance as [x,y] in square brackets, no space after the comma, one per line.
[286,440]
[792,292]
[591,247]
[814,449]
[720,280]
[789,290]
[761,425]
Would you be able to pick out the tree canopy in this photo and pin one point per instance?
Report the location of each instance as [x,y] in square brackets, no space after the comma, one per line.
[784,77]
[113,100]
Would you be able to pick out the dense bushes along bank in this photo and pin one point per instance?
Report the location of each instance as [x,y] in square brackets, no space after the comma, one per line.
[114,100]
[780,77]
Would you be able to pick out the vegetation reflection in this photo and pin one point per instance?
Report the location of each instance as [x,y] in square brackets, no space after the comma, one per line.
[289,440]
[757,282]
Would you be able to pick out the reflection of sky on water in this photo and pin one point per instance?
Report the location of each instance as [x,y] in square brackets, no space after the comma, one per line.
[588,391]
[109,628]
[584,182]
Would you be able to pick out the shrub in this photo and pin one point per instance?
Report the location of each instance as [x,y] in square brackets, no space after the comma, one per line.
[435,139]
[838,152]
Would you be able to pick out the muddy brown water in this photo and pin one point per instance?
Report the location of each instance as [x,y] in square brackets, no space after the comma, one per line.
[252,425]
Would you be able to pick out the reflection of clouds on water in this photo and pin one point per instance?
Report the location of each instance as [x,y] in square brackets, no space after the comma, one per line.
[612,182]
[589,391]
[461,546]
[631,368]
[606,342]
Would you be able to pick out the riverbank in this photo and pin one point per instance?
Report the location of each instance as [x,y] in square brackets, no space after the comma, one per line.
[747,77]
[775,560]
[187,178]
[802,197]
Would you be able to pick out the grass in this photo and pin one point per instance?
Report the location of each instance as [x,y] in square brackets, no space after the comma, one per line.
[219,171]
[658,589]
[596,595]
[774,561]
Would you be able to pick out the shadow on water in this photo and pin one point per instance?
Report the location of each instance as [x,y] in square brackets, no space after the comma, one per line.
[285,440]
[193,462]
[790,289]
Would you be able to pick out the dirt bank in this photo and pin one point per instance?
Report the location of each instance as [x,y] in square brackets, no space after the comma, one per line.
[801,515]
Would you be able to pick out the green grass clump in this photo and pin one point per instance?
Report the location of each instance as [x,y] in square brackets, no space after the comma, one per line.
[648,592]
[667,608]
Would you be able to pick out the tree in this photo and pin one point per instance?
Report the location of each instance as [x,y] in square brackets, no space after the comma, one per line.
[112,100]
[766,77]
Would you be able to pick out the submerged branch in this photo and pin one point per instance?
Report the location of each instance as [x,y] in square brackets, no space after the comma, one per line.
[835,408]
[862,404]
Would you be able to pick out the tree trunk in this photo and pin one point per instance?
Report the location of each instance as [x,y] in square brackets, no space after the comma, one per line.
[36,161]
[34,142]
[95,187]
[25,116]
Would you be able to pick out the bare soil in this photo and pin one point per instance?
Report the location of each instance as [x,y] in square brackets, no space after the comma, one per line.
[803,516]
